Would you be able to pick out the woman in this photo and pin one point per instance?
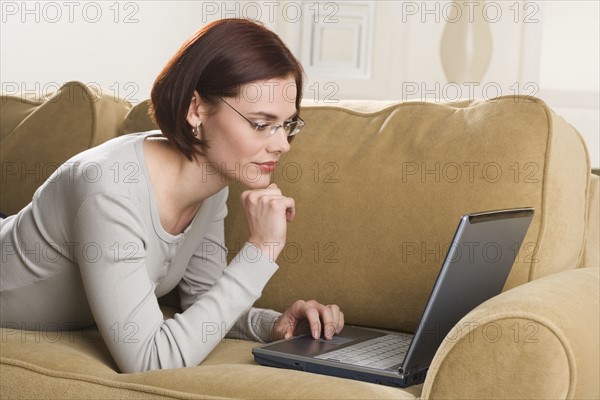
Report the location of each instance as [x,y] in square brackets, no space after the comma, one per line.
[102,249]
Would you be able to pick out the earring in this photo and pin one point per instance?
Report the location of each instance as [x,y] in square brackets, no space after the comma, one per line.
[196,130]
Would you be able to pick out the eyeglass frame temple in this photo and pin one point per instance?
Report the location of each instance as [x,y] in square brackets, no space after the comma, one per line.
[273,127]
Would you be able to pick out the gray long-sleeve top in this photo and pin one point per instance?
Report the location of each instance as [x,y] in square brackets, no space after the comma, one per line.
[90,248]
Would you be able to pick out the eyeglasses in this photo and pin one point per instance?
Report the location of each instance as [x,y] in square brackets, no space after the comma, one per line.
[291,128]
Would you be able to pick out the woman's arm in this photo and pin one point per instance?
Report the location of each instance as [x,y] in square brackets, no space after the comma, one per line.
[262,325]
[206,268]
[122,300]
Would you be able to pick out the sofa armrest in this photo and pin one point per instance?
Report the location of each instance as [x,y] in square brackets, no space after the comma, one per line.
[538,340]
[591,250]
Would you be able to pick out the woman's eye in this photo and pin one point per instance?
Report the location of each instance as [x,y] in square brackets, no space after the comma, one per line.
[260,126]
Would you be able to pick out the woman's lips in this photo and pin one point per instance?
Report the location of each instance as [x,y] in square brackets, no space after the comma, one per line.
[267,167]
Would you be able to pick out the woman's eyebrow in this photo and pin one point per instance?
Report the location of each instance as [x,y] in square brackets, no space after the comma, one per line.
[271,116]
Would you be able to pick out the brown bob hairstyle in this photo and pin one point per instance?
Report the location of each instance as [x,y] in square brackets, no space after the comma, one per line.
[216,61]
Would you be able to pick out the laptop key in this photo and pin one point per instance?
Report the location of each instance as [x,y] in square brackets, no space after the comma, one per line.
[382,352]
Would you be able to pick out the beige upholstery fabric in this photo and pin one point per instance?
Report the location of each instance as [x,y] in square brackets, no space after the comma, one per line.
[379,188]
[38,135]
[77,363]
[138,119]
[591,253]
[543,336]
[379,196]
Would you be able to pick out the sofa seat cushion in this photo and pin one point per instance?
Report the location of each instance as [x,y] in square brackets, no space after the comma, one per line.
[47,364]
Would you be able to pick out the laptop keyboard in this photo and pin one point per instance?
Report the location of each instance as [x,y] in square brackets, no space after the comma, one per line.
[380,353]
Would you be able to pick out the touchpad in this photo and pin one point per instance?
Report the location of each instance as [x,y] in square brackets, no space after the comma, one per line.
[307,346]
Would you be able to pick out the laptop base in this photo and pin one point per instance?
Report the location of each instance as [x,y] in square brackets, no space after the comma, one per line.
[299,365]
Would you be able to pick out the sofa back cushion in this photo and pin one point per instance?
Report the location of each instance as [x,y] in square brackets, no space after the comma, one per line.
[38,134]
[380,188]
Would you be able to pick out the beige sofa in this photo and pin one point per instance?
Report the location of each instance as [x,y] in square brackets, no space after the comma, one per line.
[379,188]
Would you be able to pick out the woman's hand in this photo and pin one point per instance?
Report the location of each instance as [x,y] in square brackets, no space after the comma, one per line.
[268,212]
[308,317]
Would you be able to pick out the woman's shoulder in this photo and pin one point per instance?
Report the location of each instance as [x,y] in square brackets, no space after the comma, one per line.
[128,147]
[116,166]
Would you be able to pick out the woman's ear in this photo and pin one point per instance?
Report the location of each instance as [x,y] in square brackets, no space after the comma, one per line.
[198,110]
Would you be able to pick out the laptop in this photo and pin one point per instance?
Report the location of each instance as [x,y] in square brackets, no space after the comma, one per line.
[475,269]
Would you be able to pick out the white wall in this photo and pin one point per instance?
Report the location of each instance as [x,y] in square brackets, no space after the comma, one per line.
[350,49]
[549,49]
[119,46]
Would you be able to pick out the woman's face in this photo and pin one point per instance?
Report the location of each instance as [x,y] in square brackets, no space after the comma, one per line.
[239,152]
